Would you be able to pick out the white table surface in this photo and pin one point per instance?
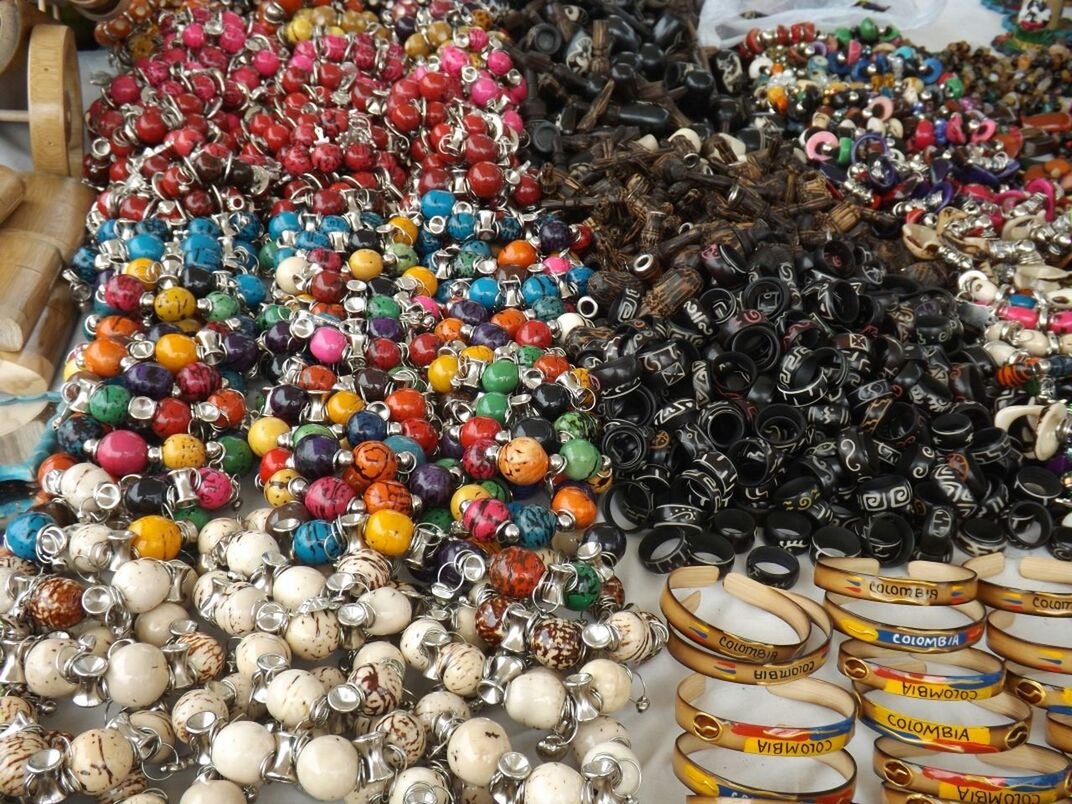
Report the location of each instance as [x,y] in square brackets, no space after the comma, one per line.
[653,732]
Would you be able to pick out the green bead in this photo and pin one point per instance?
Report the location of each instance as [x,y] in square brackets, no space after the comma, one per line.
[575,424]
[582,458]
[500,376]
[868,30]
[845,151]
[306,430]
[494,405]
[108,404]
[221,306]
[496,490]
[383,307]
[548,308]
[843,36]
[405,257]
[272,314]
[954,87]
[891,33]
[465,264]
[237,456]
[198,515]
[528,355]
[448,463]
[586,590]
[266,255]
[439,517]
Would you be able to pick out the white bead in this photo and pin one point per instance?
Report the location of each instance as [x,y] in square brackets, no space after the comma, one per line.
[627,761]
[103,637]
[381,685]
[462,667]
[145,798]
[234,615]
[295,585]
[471,794]
[291,695]
[240,749]
[611,681]
[327,767]
[214,531]
[367,566]
[192,702]
[634,636]
[15,750]
[137,675]
[535,699]
[42,668]
[159,723]
[100,759]
[243,692]
[88,546]
[474,749]
[254,646]
[425,778]
[393,610]
[598,730]
[315,635]
[366,794]
[691,136]
[465,625]
[217,791]
[257,519]
[378,653]
[79,483]
[245,551]
[410,643]
[288,272]
[440,702]
[648,142]
[554,783]
[154,625]
[204,587]
[329,676]
[144,584]
[405,732]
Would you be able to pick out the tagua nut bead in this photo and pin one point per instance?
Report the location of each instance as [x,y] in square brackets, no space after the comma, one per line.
[611,681]
[315,635]
[419,778]
[99,759]
[240,749]
[245,552]
[291,696]
[294,585]
[192,702]
[598,730]
[15,750]
[56,604]
[553,783]
[235,614]
[215,791]
[629,783]
[462,667]
[405,732]
[327,767]
[389,532]
[156,537]
[440,702]
[393,610]
[474,749]
[253,646]
[144,584]
[535,699]
[43,668]
[154,626]
[137,675]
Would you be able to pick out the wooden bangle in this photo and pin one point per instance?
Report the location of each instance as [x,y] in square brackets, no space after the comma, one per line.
[1044,694]
[780,740]
[906,674]
[927,583]
[1051,658]
[54,93]
[903,637]
[1025,601]
[680,614]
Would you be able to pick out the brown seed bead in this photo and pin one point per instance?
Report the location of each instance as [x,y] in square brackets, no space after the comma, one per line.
[613,590]
[557,644]
[14,752]
[56,604]
[489,619]
[207,657]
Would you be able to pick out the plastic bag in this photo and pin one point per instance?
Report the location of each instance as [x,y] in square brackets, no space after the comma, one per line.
[725,22]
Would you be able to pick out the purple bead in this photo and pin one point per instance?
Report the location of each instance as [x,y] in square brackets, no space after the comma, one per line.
[278,340]
[555,236]
[450,447]
[432,483]
[314,456]
[469,311]
[490,335]
[242,351]
[148,379]
[386,328]
[287,402]
[445,556]
[160,329]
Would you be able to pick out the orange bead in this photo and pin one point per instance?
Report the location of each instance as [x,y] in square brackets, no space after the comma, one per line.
[174,351]
[551,366]
[387,495]
[231,405]
[518,252]
[510,320]
[333,310]
[449,329]
[573,500]
[60,460]
[116,326]
[317,378]
[102,357]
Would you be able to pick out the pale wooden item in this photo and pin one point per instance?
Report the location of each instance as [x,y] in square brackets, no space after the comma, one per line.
[53,210]
[30,370]
[17,19]
[11,191]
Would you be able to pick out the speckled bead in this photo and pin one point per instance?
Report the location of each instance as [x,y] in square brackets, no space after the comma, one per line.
[461,667]
[474,749]
[99,759]
[315,635]
[295,585]
[367,565]
[535,699]
[216,791]
[419,778]
[192,702]
[291,695]
[598,730]
[440,702]
[557,644]
[13,705]
[405,732]
[206,657]
[154,626]
[381,685]
[234,614]
[411,640]
[15,750]
[611,681]
[553,783]
[635,643]
[159,723]
[56,604]
[42,668]
[255,645]
[144,584]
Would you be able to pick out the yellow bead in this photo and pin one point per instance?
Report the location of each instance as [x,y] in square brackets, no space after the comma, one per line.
[156,537]
[191,326]
[425,278]
[298,30]
[365,264]
[389,532]
[174,351]
[405,230]
[441,371]
[144,269]
[466,493]
[352,21]
[183,451]
[342,405]
[264,434]
[174,304]
[277,489]
[438,33]
[417,47]
[483,353]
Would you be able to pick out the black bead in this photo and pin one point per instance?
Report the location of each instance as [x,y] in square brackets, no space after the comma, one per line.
[538,428]
[551,400]
[146,495]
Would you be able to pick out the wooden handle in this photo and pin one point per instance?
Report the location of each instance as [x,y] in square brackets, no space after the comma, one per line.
[54,89]
[28,269]
[53,210]
[30,370]
[17,19]
[11,191]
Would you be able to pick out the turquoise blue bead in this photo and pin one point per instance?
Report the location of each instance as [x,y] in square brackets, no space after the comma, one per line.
[537,525]
[485,291]
[537,287]
[145,246]
[285,221]
[400,444]
[251,289]
[334,223]
[461,225]
[579,278]
[311,240]
[548,308]
[199,242]
[204,226]
[21,534]
[245,225]
[107,231]
[316,543]
[437,203]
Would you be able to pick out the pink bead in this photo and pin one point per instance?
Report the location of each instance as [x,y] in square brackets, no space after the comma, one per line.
[478,38]
[232,20]
[155,72]
[500,63]
[334,46]
[266,62]
[453,59]
[124,89]
[511,119]
[328,497]
[1025,315]
[518,93]
[556,265]
[328,345]
[1061,323]
[250,76]
[305,49]
[303,62]
[193,36]
[215,489]
[483,91]
[430,305]
[232,39]
[122,452]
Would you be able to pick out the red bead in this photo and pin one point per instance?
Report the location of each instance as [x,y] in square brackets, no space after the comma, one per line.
[478,428]
[383,353]
[406,403]
[359,156]
[134,207]
[327,157]
[123,292]
[327,201]
[198,203]
[584,238]
[296,160]
[477,461]
[515,571]
[171,417]
[433,178]
[406,116]
[231,405]
[528,192]
[197,381]
[434,85]
[485,179]
[480,148]
[423,432]
[271,462]
[534,333]
[327,286]
[122,452]
[276,136]
[150,127]
[424,349]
